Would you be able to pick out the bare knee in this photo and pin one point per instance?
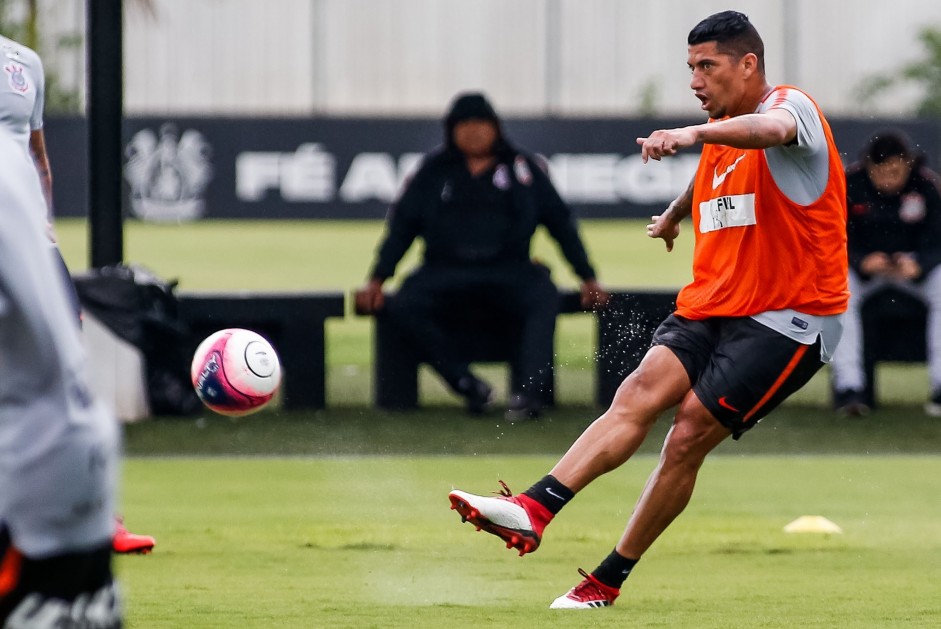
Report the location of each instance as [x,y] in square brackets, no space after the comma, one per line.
[693,436]
[648,392]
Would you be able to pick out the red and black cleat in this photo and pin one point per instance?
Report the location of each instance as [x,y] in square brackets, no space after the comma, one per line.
[517,520]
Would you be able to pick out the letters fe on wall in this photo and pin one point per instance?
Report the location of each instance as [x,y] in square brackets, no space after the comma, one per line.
[202,168]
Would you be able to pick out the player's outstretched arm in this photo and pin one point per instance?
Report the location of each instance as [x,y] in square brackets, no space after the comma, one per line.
[750,131]
[667,142]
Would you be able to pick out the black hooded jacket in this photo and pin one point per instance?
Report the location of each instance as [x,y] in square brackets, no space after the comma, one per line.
[907,222]
[484,221]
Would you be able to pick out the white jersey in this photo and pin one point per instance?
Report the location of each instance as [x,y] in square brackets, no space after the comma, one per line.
[22,90]
[58,447]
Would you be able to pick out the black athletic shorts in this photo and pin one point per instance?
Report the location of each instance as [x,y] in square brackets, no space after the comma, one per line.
[73,590]
[740,369]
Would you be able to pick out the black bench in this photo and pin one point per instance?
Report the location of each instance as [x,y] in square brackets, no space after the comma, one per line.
[894,330]
[293,322]
[481,337]
[893,323]
[625,328]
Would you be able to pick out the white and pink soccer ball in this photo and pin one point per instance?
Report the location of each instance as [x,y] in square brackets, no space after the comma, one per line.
[235,372]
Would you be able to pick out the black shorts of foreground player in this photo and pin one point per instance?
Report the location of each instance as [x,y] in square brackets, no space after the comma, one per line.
[761,316]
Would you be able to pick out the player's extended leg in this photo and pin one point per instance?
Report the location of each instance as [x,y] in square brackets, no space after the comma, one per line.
[751,371]
[659,383]
[695,433]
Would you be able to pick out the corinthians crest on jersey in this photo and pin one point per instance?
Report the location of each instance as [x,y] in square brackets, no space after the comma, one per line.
[168,174]
[19,83]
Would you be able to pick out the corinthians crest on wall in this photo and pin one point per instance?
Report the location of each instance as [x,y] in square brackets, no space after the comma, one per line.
[168,174]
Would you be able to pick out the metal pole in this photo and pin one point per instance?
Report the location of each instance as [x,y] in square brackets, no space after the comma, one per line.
[105,113]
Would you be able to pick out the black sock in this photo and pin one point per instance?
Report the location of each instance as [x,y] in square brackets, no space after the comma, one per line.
[550,493]
[614,570]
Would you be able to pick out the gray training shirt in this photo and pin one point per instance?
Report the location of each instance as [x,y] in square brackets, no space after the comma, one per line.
[22,90]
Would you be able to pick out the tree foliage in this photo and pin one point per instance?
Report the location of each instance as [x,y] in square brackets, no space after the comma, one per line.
[924,72]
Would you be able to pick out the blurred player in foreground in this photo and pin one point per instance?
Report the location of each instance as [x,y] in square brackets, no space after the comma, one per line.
[761,316]
[22,100]
[58,447]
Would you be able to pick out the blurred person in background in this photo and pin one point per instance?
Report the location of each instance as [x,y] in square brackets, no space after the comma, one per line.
[58,446]
[894,241]
[476,203]
[22,101]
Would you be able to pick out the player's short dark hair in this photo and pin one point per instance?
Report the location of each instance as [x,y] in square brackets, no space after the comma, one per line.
[733,33]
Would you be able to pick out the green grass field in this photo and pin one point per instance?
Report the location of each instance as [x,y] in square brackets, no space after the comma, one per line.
[370,542]
[339,518]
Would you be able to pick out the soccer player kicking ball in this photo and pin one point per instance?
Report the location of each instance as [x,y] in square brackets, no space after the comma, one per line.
[761,316]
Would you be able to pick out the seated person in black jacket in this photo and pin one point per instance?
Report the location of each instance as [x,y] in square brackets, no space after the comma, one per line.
[476,203]
[894,238]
